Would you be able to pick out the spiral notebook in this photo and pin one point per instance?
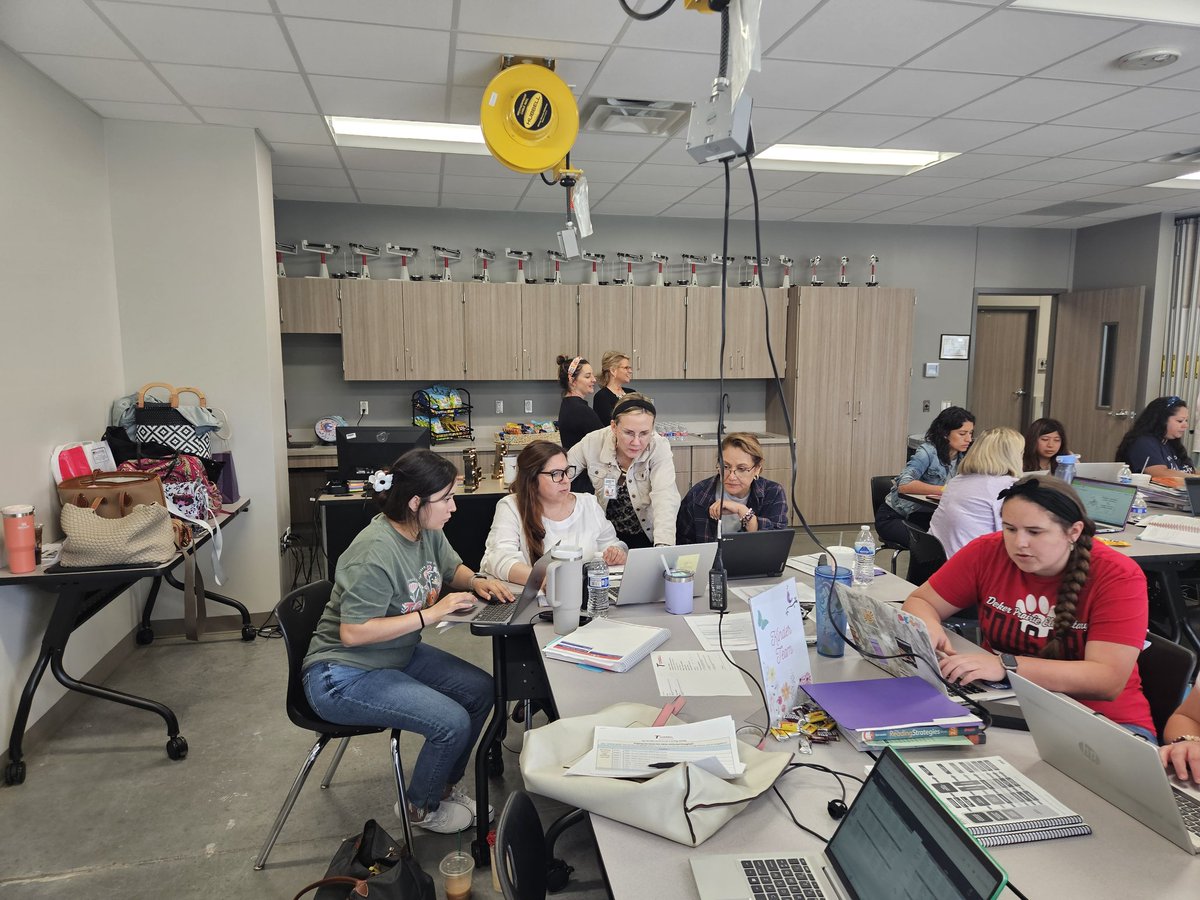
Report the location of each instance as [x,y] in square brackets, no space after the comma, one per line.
[1163,529]
[996,803]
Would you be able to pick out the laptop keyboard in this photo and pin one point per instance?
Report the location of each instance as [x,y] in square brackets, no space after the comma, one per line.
[497,613]
[1189,808]
[786,878]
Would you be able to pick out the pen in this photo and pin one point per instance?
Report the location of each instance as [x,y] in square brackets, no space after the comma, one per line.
[664,765]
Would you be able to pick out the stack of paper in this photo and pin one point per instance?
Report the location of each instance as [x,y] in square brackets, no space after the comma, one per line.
[607,644]
[645,752]
[1181,530]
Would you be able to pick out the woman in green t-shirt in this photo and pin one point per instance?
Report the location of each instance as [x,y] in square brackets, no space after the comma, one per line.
[366,664]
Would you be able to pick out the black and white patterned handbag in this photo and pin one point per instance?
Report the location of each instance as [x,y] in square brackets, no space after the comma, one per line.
[163,423]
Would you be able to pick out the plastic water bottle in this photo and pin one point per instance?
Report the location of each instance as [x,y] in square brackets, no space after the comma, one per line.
[1139,507]
[864,558]
[1066,467]
[829,609]
[597,586]
[1125,476]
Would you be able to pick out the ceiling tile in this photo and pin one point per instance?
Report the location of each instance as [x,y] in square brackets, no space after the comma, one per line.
[324,156]
[391,160]
[836,181]
[1127,212]
[994,189]
[371,51]
[144,112]
[772,181]
[1138,147]
[831,215]
[656,75]
[427,182]
[869,201]
[529,45]
[309,175]
[511,184]
[1018,222]
[1007,207]
[695,211]
[104,79]
[371,98]
[402,198]
[1016,42]
[239,88]
[1037,100]
[68,27]
[1186,81]
[713,194]
[1061,169]
[1097,63]
[290,127]
[1136,174]
[322,194]
[647,193]
[630,208]
[800,199]
[914,92]
[770,125]
[835,129]
[378,12]
[1052,139]
[201,36]
[941,204]
[475,69]
[1142,195]
[1138,109]
[977,165]
[955,135]
[674,152]
[897,30]
[259,6]
[690,176]
[598,22]
[464,105]
[899,217]
[1187,124]
[614,147]
[1071,190]
[785,84]
[478,201]
[482,166]
[606,171]
[925,186]
[539,202]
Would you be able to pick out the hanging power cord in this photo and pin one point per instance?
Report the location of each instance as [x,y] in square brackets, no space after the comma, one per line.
[645,17]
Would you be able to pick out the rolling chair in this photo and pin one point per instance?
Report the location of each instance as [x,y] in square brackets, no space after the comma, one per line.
[1166,671]
[521,850]
[298,614]
[926,556]
[881,486]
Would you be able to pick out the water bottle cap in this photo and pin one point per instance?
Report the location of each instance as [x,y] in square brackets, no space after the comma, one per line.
[1067,459]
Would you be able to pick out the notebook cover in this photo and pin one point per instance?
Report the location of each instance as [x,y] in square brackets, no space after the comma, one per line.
[887,703]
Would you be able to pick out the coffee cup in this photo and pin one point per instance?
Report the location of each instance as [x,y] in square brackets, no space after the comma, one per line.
[457,868]
[19,538]
[678,584]
[510,469]
[1140,478]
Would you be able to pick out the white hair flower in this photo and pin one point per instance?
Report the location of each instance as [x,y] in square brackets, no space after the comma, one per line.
[381,481]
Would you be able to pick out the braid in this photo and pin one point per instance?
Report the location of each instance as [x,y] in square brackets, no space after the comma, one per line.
[1073,580]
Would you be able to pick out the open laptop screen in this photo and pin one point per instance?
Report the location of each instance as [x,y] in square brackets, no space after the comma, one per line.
[1105,503]
[898,841]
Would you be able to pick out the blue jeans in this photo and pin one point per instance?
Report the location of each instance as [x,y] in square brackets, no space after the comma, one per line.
[436,695]
[1141,731]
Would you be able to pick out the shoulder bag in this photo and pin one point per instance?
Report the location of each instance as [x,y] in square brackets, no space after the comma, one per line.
[137,488]
[373,864]
[163,423]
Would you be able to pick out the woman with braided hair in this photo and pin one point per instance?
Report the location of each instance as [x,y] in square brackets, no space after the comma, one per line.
[1065,612]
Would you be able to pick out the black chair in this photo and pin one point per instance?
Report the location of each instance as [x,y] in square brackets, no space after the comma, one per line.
[926,554]
[521,850]
[881,486]
[298,614]
[1166,671]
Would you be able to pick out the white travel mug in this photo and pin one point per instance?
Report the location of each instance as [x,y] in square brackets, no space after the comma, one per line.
[678,584]
[510,469]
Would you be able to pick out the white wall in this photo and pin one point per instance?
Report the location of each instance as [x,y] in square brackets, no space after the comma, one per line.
[60,340]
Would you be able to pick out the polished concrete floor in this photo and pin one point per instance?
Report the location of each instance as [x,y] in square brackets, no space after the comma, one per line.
[104,813]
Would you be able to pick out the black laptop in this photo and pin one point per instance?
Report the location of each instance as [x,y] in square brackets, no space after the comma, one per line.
[756,554]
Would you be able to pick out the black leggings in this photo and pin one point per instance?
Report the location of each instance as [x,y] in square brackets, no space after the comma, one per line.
[889,524]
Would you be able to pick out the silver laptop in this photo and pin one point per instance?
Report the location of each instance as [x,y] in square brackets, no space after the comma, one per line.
[886,629]
[1106,504]
[1099,471]
[1118,765]
[896,835]
[641,580]
[506,613]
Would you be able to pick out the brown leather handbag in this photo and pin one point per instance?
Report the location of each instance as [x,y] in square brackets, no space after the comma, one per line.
[120,490]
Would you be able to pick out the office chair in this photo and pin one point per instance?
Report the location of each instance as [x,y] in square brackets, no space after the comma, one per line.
[926,554]
[1166,671]
[881,486]
[521,850]
[298,614]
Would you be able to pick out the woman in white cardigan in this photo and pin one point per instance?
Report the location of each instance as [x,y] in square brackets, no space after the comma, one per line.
[969,506]
[633,472]
[542,511]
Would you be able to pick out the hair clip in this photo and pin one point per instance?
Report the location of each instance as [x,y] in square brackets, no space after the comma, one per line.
[381,481]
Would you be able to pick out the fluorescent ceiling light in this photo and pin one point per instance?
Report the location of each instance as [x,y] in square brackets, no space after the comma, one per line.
[1190,181]
[1190,176]
[1179,12]
[860,160]
[399,134]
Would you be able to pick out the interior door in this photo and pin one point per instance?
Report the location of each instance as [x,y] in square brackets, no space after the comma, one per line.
[1002,377]
[1096,359]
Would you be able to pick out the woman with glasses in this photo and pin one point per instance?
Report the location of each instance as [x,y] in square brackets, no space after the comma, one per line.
[632,472]
[1154,444]
[367,664]
[575,417]
[741,498]
[542,511]
[615,374]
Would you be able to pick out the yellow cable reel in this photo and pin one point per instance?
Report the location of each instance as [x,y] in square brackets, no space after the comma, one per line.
[529,118]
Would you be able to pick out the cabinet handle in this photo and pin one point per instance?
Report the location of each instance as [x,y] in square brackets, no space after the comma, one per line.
[860,407]
[847,407]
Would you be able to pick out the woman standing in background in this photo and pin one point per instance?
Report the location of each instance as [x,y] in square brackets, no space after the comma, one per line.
[615,373]
[575,417]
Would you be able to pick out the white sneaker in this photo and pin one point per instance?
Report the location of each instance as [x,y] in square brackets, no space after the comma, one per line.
[462,798]
[448,818]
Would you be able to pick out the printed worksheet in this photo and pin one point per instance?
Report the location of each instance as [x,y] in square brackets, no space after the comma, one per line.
[697,673]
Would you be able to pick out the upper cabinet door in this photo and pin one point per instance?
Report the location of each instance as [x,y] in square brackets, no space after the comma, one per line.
[309,306]
[751,332]
[659,332]
[605,322]
[372,328]
[433,330]
[549,326]
[704,334]
[492,337]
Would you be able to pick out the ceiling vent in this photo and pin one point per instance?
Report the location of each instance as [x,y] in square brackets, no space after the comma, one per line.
[1182,157]
[1074,208]
[614,115]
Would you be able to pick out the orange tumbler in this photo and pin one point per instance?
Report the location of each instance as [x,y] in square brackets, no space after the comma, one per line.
[19,537]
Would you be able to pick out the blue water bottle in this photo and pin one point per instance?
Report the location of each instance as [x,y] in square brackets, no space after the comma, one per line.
[1065,468]
[829,608]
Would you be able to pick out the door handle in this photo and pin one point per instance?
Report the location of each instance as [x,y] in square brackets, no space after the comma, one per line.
[1019,393]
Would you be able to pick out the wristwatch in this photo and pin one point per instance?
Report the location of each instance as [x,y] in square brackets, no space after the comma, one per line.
[1009,662]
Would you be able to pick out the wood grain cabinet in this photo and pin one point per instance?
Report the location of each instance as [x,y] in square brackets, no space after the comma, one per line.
[849,366]
[402,331]
[433,330]
[605,321]
[658,332]
[309,306]
[493,339]
[549,326]
[745,332]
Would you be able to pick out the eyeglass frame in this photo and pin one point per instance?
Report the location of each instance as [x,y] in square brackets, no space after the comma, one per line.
[740,471]
[568,473]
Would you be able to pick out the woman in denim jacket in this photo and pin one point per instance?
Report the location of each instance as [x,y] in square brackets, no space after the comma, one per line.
[935,462]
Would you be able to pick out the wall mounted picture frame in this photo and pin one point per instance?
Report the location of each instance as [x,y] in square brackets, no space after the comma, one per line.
[955,346]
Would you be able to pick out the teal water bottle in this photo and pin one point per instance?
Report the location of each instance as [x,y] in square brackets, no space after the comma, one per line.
[829,609]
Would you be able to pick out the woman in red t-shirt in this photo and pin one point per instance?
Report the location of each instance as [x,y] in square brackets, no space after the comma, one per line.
[1067,614]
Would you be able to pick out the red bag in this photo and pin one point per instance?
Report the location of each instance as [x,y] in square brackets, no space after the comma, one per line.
[182,469]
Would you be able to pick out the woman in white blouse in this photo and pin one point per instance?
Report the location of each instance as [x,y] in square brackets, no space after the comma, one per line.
[542,511]
[969,507]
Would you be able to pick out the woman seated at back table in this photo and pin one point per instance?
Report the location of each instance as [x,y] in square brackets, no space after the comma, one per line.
[1154,443]
[741,498]
[1045,441]
[925,474]
[632,471]
[542,511]
[1055,607]
[969,507]
[1181,751]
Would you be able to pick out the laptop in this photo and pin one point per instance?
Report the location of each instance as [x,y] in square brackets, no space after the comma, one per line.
[1121,767]
[756,554]
[886,629]
[896,840]
[1192,484]
[641,580]
[1105,503]
[484,612]
[1099,471]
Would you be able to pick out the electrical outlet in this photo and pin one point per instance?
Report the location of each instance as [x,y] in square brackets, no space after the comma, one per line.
[946,404]
[924,406]
[528,406]
[499,407]
[364,408]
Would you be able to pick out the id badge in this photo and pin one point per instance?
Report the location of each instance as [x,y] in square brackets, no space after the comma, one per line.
[610,488]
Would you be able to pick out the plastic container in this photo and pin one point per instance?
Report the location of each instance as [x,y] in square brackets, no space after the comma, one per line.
[1125,476]
[1139,506]
[678,585]
[597,589]
[864,558]
[564,587]
[829,641]
[1066,467]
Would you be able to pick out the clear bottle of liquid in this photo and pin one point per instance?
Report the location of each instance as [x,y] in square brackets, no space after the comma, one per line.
[864,557]
[1066,467]
[597,586]
[1125,476]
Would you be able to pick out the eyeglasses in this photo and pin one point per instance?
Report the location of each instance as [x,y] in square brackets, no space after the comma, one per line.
[740,471]
[557,475]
